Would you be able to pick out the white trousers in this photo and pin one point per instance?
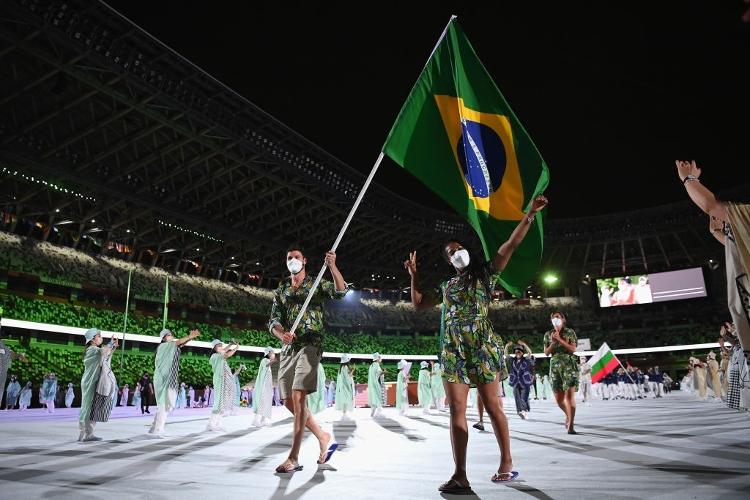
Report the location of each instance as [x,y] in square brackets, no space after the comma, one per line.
[214,422]
[51,406]
[86,429]
[160,421]
[586,391]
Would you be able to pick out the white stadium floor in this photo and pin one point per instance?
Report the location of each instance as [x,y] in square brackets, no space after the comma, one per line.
[675,447]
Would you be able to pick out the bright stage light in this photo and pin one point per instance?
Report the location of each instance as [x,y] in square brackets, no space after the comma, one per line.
[550,279]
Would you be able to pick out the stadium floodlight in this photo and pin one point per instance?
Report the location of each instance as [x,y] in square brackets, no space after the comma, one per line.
[63,222]
[550,279]
[57,210]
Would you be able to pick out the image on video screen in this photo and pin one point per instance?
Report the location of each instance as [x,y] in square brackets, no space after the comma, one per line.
[648,288]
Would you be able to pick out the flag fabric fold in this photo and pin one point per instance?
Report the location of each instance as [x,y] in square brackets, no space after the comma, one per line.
[602,363]
[457,134]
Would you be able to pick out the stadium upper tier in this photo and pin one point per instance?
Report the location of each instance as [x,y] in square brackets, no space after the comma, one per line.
[52,284]
[113,143]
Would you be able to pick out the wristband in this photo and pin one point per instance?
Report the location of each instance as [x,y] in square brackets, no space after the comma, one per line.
[689,178]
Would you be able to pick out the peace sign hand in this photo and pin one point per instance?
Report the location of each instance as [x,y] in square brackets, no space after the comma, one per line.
[411,264]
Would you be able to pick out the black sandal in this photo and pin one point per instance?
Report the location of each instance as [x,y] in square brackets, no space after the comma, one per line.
[453,486]
[289,467]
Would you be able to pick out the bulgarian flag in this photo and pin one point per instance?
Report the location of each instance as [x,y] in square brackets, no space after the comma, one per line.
[602,363]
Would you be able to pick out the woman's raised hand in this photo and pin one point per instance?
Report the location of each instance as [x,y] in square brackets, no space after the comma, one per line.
[411,264]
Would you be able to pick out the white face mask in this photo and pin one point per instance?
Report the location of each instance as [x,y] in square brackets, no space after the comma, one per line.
[294,265]
[556,322]
[460,259]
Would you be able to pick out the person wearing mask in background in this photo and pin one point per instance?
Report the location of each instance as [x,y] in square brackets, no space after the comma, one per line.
[147,390]
[137,395]
[520,367]
[124,395]
[263,396]
[345,388]
[436,384]
[12,393]
[190,397]
[402,387]
[560,343]
[69,396]
[223,383]
[713,374]
[25,398]
[7,355]
[374,386]
[98,384]
[166,377]
[585,377]
[208,395]
[424,389]
[49,392]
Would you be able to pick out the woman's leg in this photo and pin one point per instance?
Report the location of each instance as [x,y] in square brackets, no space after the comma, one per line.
[563,404]
[570,397]
[488,393]
[457,394]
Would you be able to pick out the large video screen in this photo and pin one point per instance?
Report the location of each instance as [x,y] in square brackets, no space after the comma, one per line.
[648,288]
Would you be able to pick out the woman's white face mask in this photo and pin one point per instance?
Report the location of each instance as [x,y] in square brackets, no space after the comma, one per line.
[460,259]
[557,322]
[294,265]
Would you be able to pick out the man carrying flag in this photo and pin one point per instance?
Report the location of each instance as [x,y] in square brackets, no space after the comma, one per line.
[457,134]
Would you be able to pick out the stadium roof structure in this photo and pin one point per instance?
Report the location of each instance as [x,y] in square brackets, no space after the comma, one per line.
[93,104]
[106,129]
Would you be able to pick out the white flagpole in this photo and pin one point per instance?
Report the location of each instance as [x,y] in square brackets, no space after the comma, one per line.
[356,205]
[338,240]
[125,325]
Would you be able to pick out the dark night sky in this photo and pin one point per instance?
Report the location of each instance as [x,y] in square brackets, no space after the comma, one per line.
[611,93]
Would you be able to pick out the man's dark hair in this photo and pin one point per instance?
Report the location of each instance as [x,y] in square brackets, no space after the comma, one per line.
[296,246]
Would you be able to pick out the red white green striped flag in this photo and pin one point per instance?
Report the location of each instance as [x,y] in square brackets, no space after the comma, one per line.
[602,363]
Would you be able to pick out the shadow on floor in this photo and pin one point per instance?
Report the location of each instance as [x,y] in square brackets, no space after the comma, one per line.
[343,431]
[393,426]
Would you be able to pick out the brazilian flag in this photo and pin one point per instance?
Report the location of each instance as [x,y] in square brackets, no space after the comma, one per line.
[457,135]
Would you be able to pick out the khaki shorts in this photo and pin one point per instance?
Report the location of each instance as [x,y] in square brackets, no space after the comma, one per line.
[298,370]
